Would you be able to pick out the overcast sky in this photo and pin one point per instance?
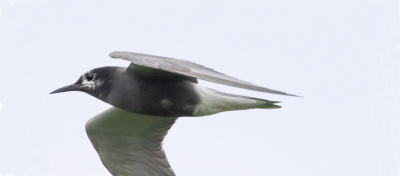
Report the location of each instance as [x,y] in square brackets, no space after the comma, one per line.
[342,56]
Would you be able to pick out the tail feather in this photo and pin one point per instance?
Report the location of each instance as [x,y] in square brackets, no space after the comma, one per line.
[213,101]
[268,104]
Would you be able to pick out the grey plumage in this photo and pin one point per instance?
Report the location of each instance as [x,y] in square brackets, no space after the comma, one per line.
[130,144]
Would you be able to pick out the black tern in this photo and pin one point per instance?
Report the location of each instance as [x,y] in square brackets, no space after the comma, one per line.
[147,98]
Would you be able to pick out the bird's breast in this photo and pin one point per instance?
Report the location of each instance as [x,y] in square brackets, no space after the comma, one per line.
[156,98]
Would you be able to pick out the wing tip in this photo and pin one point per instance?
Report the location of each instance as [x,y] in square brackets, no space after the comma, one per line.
[293,95]
[281,93]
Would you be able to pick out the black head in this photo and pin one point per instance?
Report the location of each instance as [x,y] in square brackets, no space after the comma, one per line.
[96,82]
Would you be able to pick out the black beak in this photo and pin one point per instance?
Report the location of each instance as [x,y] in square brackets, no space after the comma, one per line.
[72,87]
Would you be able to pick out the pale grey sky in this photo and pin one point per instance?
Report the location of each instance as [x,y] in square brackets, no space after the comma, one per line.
[342,56]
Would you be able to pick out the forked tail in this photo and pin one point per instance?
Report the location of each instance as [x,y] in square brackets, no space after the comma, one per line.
[264,104]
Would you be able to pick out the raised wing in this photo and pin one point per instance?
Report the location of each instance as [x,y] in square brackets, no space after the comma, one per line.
[189,69]
[130,144]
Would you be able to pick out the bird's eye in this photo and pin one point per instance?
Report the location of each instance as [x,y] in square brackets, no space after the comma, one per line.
[90,77]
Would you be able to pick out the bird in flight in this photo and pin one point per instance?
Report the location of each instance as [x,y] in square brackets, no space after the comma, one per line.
[147,98]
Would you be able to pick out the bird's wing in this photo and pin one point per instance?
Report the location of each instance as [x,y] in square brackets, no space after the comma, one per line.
[189,69]
[130,144]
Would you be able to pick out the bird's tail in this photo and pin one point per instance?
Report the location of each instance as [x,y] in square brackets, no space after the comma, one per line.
[260,103]
[213,101]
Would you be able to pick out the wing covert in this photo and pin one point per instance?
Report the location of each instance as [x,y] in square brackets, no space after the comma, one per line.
[189,69]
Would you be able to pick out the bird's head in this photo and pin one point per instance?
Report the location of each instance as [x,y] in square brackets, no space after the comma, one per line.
[96,82]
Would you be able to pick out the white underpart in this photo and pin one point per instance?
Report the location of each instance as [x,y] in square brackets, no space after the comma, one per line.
[212,103]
